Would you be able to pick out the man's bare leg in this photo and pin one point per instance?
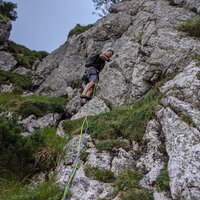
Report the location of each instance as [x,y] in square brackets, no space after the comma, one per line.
[88,88]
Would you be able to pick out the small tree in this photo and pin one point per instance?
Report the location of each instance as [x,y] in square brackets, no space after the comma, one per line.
[104,5]
[8,9]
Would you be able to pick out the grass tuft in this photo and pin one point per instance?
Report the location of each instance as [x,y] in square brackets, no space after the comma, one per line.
[102,175]
[190,26]
[162,181]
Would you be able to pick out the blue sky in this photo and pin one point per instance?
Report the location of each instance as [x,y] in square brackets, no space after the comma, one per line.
[45,24]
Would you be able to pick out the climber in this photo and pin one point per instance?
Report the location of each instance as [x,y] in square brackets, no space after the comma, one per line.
[95,63]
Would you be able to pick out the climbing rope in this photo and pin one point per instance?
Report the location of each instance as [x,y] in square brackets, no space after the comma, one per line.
[82,139]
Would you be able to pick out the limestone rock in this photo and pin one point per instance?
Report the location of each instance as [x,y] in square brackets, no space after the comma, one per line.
[100,160]
[6,88]
[151,161]
[84,188]
[31,123]
[122,161]
[146,43]
[182,145]
[5,28]
[93,107]
[7,61]
[185,85]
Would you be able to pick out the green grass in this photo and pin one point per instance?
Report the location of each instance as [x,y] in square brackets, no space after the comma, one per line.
[49,148]
[16,190]
[19,81]
[162,181]
[24,56]
[27,105]
[72,127]
[127,183]
[128,122]
[101,175]
[112,144]
[78,29]
[190,26]
[136,194]
[24,156]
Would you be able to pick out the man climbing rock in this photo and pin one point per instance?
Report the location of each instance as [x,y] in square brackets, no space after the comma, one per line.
[95,63]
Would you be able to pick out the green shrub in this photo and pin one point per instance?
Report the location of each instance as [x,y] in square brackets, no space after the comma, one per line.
[19,81]
[78,29]
[112,144]
[102,175]
[16,154]
[190,26]
[162,181]
[26,155]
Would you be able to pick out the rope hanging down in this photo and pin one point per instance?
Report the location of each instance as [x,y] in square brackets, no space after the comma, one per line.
[79,149]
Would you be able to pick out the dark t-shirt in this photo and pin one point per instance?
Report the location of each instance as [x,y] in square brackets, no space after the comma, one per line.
[95,61]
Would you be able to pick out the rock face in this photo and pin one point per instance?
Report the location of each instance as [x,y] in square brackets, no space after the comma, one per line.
[180,119]
[146,43]
[147,46]
[5,28]
[7,61]
[31,123]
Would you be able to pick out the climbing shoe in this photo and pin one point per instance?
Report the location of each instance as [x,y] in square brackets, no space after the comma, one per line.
[85,97]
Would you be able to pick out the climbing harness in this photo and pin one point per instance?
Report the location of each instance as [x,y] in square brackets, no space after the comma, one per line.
[82,140]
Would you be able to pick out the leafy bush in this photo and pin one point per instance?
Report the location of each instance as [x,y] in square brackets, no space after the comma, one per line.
[19,81]
[192,27]
[78,29]
[102,175]
[8,9]
[162,181]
